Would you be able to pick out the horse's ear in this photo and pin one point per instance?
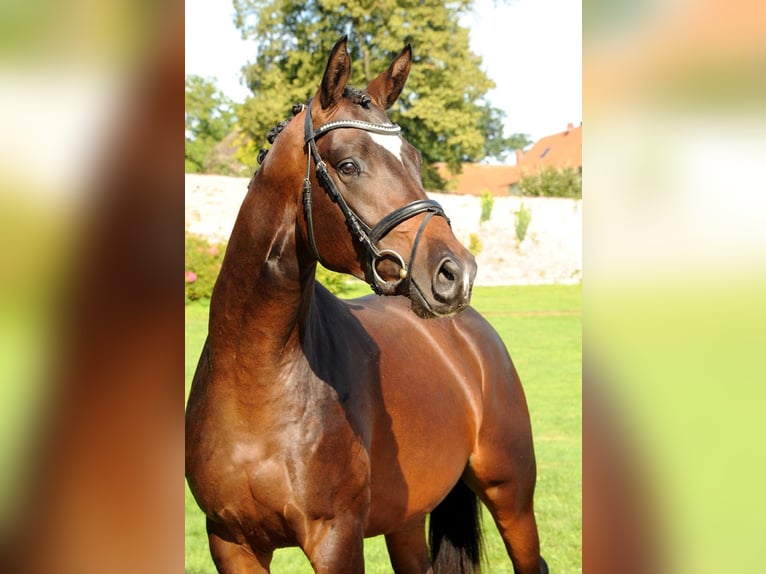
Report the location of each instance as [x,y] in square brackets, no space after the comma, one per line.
[387,86]
[335,75]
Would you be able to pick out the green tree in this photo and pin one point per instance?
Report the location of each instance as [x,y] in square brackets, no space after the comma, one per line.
[497,144]
[209,118]
[442,110]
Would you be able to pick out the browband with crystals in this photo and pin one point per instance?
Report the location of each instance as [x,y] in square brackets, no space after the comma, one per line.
[385,129]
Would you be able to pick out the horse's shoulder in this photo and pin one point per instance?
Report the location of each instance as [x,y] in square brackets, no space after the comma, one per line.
[476,326]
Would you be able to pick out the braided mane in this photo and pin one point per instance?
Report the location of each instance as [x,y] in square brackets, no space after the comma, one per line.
[277,129]
[356,96]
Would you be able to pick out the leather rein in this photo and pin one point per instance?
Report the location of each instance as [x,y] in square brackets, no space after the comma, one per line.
[366,235]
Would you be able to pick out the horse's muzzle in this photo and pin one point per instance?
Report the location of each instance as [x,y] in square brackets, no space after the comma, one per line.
[450,288]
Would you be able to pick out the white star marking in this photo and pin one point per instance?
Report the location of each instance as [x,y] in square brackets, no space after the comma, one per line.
[392,143]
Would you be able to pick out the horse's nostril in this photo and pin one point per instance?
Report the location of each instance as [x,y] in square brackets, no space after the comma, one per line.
[450,269]
[447,280]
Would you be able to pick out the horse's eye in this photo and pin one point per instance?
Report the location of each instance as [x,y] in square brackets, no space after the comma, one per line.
[348,168]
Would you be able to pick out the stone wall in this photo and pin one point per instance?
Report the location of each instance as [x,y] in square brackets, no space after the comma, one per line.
[551,252]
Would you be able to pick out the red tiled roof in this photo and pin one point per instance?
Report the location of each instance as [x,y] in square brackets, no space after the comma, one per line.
[476,178]
[560,150]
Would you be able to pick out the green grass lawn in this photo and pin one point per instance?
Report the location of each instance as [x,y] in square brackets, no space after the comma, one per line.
[541,326]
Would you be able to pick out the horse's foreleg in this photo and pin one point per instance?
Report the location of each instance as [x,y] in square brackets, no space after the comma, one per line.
[232,557]
[336,545]
[407,549]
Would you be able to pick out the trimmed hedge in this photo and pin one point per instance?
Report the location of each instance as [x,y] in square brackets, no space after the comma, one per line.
[552,182]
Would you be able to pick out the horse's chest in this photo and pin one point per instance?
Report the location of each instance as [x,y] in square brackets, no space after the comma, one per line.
[286,458]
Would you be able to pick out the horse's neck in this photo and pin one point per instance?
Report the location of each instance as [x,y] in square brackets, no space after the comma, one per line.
[263,294]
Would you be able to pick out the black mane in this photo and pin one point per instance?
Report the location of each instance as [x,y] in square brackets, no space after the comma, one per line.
[277,129]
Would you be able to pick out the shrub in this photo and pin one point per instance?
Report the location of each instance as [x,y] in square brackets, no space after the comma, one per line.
[474,244]
[336,283]
[202,263]
[552,182]
[523,217]
[487,202]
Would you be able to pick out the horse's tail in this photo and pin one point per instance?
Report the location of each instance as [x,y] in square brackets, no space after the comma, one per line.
[455,533]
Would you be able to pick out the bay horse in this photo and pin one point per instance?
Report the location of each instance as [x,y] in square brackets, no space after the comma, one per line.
[316,422]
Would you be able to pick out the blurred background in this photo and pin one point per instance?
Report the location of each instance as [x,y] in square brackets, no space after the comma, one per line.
[91,320]
[91,355]
[674,267]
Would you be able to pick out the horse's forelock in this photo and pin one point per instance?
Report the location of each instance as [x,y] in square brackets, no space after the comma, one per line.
[357,96]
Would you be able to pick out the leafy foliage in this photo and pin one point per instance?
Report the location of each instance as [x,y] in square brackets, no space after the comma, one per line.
[336,283]
[522,219]
[203,261]
[475,245]
[442,109]
[202,264]
[496,144]
[487,203]
[209,120]
[552,182]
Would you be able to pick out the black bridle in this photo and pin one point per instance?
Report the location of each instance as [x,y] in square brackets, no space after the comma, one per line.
[367,236]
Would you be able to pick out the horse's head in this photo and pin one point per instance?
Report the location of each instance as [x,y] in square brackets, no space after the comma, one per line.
[365,210]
